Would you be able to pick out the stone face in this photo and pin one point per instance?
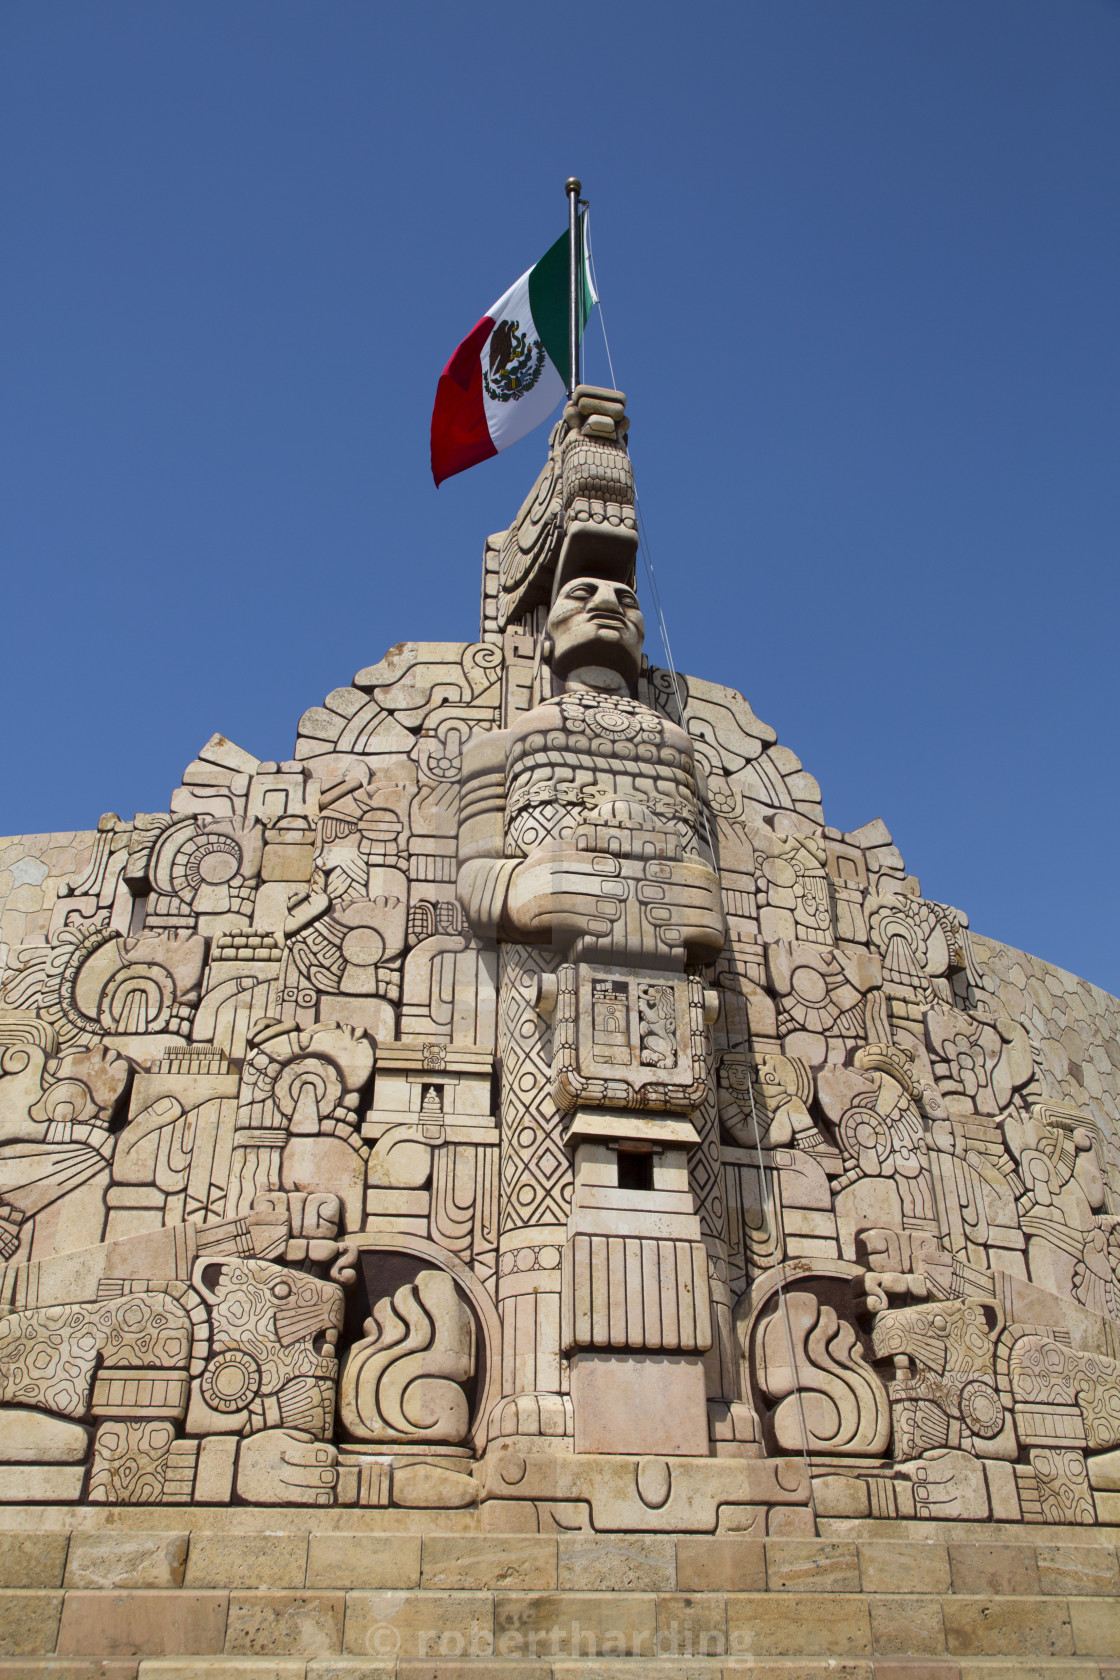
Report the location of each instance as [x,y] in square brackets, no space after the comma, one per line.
[993,1569]
[1009,1626]
[720,1564]
[614,1397]
[227,1668]
[463,1562]
[899,1566]
[1081,1571]
[798,1624]
[511,1184]
[616,1563]
[385,1624]
[29,1622]
[575,1624]
[32,1560]
[812,1565]
[35,1437]
[1096,1626]
[906,1625]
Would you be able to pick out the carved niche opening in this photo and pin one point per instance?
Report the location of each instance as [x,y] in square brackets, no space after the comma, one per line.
[811,1374]
[414,1360]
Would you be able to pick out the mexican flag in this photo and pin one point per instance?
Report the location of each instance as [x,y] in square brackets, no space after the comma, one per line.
[510,372]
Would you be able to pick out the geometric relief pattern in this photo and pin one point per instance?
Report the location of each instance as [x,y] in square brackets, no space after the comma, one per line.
[536,1169]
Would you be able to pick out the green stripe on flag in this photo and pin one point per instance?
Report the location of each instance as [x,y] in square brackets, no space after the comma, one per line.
[548,299]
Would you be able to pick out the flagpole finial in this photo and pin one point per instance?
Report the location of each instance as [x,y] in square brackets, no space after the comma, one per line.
[573,185]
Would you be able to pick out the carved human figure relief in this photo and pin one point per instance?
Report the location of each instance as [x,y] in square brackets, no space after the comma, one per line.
[535,976]
[764,1101]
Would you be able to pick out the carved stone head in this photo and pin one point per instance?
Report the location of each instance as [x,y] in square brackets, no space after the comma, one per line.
[596,624]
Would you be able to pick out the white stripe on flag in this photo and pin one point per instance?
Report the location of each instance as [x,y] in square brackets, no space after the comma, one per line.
[511,418]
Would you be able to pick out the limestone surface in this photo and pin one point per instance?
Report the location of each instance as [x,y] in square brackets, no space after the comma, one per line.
[519,1117]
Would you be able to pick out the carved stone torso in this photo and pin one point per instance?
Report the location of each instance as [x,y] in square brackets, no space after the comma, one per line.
[572,759]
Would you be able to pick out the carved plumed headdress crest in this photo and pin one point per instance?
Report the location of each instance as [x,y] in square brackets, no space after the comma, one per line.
[578,520]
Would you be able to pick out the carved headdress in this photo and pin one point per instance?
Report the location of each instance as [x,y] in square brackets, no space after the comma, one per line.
[578,519]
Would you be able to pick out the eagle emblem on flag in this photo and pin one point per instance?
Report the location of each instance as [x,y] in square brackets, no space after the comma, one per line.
[516,363]
[511,370]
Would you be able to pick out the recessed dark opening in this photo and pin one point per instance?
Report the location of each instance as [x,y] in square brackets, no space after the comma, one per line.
[635,1170]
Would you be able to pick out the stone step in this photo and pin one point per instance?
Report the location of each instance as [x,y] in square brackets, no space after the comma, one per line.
[53,1632]
[621,1668]
[112,1600]
[127,1556]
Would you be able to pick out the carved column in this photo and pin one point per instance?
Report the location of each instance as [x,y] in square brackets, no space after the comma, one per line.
[535,1200]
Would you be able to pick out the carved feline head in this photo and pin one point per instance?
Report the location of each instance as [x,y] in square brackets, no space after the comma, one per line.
[272,1354]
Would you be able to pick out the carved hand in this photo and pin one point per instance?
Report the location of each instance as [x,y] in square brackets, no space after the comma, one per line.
[630,907]
[286,1467]
[558,894]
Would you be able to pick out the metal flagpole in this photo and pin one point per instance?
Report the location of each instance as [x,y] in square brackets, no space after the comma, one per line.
[573,188]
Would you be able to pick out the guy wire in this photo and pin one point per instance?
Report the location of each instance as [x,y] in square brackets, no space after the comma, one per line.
[765,1175]
[766,1181]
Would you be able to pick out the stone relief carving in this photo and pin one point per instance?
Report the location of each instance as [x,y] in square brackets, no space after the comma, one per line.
[539,967]
[811,1368]
[403,1382]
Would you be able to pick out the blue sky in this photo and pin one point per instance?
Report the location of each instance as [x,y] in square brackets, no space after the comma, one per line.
[861,271]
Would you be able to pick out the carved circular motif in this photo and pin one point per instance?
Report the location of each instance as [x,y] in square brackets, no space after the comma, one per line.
[211,860]
[981,1409]
[216,867]
[511,1468]
[230,1381]
[862,1131]
[138,999]
[309,1082]
[654,1482]
[609,720]
[364,947]
[809,985]
[536,1258]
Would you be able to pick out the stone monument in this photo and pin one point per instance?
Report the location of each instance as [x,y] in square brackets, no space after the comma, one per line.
[519,1115]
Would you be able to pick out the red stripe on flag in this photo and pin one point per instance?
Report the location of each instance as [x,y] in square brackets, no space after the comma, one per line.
[460,437]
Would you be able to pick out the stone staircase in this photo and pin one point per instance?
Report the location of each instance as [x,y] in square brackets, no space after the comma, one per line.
[354,1595]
